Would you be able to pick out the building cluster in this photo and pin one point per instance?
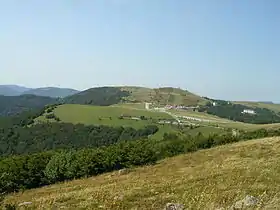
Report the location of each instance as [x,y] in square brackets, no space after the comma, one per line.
[180,107]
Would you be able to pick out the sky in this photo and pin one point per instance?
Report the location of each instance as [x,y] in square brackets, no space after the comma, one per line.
[226,49]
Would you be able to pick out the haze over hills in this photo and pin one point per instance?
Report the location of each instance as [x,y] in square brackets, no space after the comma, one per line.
[137,93]
[54,92]
[12,90]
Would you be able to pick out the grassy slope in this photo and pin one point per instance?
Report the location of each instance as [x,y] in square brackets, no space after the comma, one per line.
[274,107]
[206,179]
[225,123]
[86,114]
[89,115]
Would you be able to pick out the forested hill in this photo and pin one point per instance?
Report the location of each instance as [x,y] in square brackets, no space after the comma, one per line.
[235,112]
[102,96]
[13,105]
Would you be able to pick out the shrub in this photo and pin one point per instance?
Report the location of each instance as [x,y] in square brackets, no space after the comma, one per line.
[50,116]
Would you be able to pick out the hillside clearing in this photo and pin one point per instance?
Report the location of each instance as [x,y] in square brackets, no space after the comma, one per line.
[105,115]
[206,179]
[108,115]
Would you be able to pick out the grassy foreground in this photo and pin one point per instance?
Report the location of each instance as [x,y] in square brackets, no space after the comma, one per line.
[206,179]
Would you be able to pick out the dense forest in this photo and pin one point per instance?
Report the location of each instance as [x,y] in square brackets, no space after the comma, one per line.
[233,112]
[103,96]
[13,105]
[25,118]
[38,169]
[53,136]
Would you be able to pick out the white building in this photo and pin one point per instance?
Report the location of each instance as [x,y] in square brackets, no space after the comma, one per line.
[248,111]
[147,105]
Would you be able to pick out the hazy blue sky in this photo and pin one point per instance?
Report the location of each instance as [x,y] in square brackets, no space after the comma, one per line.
[220,48]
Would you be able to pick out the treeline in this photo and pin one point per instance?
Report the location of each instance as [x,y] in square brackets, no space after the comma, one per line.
[35,170]
[52,136]
[101,96]
[26,118]
[23,119]
[233,112]
[14,105]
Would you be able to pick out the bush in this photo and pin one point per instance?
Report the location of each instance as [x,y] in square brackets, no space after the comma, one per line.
[61,167]
[10,207]
[57,119]
[143,118]
[50,116]
[49,110]
[23,172]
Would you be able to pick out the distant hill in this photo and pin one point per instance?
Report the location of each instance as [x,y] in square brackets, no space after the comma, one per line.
[272,106]
[112,95]
[13,105]
[102,96]
[164,95]
[266,102]
[12,90]
[53,92]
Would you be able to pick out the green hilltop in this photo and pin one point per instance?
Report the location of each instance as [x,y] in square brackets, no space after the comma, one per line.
[126,94]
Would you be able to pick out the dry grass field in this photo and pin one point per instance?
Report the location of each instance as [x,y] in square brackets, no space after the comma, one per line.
[207,179]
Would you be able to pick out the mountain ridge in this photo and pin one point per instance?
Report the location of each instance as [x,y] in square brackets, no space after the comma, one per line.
[12,90]
[54,92]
